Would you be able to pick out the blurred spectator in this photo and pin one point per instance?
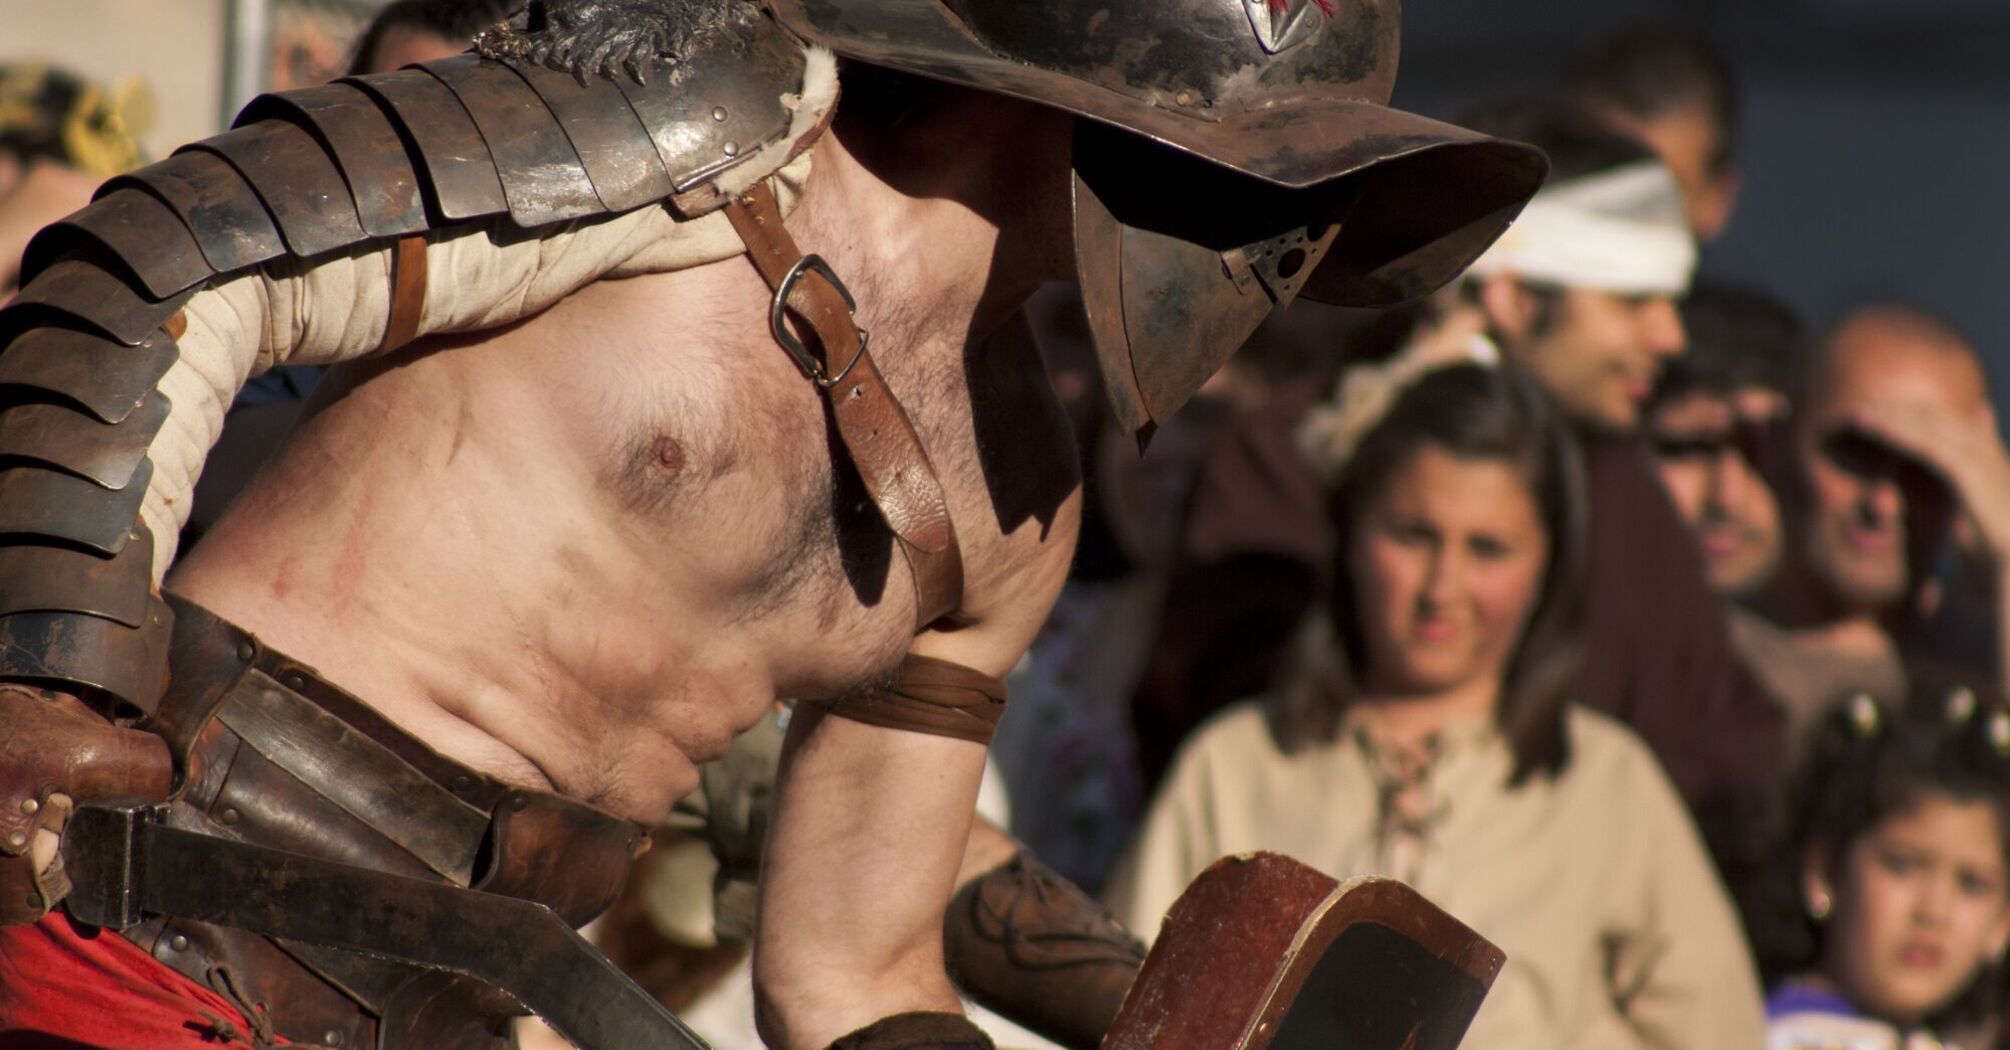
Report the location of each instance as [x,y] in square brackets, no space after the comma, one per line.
[408,31]
[1422,732]
[310,39]
[1240,570]
[1670,88]
[1580,293]
[60,136]
[1895,439]
[1720,423]
[1891,908]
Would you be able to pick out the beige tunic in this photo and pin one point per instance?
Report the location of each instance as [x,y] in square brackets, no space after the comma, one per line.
[1616,930]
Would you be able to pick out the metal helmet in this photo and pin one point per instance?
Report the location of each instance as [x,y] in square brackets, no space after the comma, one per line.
[1236,153]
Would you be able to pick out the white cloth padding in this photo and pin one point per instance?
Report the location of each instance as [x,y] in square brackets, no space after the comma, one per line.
[483,275]
[1620,231]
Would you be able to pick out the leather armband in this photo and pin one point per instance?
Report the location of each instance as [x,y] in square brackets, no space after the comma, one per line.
[1030,945]
[934,697]
[917,1031]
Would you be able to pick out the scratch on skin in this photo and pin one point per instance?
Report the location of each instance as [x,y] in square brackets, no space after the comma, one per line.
[354,556]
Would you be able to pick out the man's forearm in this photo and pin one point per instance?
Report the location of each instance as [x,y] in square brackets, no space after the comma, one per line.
[868,835]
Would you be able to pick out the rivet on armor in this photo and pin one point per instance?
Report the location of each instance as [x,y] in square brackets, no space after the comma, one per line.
[1184,98]
[295,680]
[29,806]
[245,651]
[178,943]
[332,1037]
[17,839]
[731,149]
[518,802]
[719,114]
[462,782]
[228,816]
[34,900]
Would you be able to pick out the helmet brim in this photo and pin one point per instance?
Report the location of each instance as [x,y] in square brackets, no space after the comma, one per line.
[1433,195]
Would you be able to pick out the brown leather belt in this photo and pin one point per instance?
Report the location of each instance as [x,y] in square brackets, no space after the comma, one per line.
[340,838]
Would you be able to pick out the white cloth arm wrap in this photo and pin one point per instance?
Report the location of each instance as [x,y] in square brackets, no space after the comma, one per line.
[330,310]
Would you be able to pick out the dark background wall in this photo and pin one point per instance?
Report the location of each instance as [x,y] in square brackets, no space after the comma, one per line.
[1875,147]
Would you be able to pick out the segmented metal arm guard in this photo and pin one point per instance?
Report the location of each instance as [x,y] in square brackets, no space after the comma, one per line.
[309,180]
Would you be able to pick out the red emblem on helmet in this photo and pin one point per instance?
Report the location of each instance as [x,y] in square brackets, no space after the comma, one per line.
[1281,24]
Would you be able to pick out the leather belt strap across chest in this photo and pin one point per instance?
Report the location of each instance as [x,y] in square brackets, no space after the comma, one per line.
[875,428]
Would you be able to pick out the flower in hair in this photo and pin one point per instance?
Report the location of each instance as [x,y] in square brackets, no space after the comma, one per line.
[1960,705]
[1863,714]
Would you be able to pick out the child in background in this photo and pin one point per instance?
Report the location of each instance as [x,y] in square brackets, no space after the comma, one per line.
[1904,843]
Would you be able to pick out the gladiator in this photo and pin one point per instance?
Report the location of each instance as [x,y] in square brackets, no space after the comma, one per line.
[671,383]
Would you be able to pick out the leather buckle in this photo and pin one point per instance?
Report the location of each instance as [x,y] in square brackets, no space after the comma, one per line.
[779,304]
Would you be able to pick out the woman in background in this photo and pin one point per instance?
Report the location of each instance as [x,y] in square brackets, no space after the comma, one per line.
[1423,733]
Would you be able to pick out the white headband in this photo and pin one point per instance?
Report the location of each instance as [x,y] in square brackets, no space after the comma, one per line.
[1620,231]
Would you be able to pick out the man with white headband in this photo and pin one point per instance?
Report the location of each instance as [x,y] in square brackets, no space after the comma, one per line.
[1581,293]
[1581,290]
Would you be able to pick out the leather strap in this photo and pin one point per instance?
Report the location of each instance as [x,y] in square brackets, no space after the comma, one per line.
[917,1031]
[408,292]
[875,428]
[933,696]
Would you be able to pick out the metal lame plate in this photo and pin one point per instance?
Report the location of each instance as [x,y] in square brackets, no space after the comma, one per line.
[611,142]
[135,227]
[383,186]
[297,179]
[541,172]
[228,220]
[451,154]
[104,377]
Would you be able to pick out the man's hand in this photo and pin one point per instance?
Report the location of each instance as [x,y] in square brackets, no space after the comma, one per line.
[54,752]
[1965,449]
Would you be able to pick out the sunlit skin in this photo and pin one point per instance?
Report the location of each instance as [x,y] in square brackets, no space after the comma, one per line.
[1447,563]
[1923,396]
[1598,355]
[1721,496]
[1918,904]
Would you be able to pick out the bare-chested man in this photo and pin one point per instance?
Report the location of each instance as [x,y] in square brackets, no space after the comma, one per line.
[568,558]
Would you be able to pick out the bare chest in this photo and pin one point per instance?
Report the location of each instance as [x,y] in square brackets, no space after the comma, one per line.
[720,461]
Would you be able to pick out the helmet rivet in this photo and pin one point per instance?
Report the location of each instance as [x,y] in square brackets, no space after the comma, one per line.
[228,816]
[29,806]
[17,839]
[178,943]
[730,149]
[719,114]
[1184,98]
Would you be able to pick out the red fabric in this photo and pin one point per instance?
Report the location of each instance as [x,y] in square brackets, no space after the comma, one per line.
[68,987]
